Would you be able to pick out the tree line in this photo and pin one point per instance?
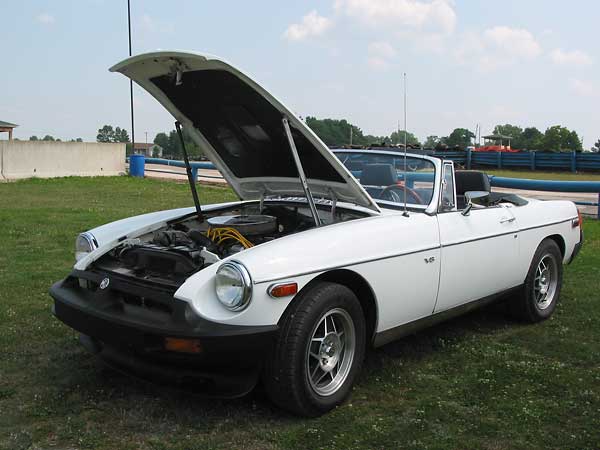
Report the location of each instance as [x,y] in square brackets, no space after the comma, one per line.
[555,139]
[334,132]
[49,138]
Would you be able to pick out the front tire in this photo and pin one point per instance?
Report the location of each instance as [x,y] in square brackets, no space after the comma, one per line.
[319,351]
[541,291]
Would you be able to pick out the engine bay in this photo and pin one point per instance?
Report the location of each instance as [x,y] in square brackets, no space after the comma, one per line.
[172,253]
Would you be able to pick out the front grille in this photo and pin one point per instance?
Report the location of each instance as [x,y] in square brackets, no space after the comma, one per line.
[138,298]
[147,303]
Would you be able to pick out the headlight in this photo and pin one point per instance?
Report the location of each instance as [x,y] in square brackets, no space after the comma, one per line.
[84,244]
[233,286]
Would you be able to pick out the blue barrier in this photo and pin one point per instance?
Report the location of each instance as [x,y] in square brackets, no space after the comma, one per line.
[571,161]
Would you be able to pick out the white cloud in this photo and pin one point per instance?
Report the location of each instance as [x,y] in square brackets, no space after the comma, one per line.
[512,41]
[584,88]
[380,54]
[312,25]
[383,49]
[150,25]
[377,62]
[572,58]
[437,15]
[45,18]
[496,47]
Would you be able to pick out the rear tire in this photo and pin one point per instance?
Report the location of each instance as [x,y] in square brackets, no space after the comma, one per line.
[539,296]
[319,352]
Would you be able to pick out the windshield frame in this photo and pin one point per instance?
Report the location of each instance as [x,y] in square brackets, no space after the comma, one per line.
[430,208]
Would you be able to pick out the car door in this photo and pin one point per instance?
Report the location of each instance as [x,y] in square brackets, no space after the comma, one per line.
[406,281]
[479,252]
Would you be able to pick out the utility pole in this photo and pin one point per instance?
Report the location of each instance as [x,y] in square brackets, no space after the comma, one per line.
[130,80]
[350,135]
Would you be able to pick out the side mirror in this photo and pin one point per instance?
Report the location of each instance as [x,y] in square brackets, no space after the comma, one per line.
[471,196]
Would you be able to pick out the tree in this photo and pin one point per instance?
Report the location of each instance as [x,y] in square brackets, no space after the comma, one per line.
[121,135]
[561,139]
[460,137]
[34,138]
[515,132]
[397,137]
[105,134]
[162,140]
[49,138]
[596,147]
[573,142]
[108,134]
[337,132]
[171,144]
[531,139]
[432,141]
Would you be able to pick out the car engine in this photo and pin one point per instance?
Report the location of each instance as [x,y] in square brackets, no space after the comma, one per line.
[170,255]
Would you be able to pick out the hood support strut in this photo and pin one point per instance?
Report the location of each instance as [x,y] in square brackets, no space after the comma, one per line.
[301,175]
[190,176]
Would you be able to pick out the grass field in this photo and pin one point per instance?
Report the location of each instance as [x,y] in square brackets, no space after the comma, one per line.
[481,381]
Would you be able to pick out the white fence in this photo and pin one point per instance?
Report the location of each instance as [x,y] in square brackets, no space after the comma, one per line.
[26,159]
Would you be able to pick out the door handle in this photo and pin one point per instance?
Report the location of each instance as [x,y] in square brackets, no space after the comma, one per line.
[507,219]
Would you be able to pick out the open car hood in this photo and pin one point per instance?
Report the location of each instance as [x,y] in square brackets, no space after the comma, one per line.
[238,125]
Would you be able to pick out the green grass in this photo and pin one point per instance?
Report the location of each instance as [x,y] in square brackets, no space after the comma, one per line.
[540,175]
[481,381]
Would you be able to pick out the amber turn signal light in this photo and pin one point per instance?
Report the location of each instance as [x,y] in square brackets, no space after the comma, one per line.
[183,345]
[283,290]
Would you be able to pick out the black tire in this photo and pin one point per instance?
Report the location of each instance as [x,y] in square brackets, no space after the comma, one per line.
[527,305]
[287,374]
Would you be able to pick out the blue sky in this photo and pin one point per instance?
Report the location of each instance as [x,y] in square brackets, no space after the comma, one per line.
[528,62]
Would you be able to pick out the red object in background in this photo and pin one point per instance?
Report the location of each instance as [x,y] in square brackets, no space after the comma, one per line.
[496,148]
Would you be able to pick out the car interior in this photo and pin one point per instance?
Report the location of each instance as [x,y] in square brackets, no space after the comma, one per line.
[381,182]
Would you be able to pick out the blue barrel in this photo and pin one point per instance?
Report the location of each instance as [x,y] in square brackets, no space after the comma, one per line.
[136,165]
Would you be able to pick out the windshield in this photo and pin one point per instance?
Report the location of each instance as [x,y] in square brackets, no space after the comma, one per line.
[383,177]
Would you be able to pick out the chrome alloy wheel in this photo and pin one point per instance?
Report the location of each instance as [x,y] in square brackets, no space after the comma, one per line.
[545,281]
[330,352]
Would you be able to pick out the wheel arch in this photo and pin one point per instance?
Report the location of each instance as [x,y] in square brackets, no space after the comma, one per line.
[560,241]
[357,284]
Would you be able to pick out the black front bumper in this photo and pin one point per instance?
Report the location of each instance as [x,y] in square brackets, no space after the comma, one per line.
[128,324]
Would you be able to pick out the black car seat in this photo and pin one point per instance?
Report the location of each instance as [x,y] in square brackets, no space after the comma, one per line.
[469,180]
[376,177]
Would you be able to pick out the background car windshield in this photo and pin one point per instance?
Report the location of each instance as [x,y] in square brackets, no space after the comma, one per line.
[383,176]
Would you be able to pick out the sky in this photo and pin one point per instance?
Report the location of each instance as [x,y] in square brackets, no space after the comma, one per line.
[524,62]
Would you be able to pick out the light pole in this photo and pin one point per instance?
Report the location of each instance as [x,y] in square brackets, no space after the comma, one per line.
[130,80]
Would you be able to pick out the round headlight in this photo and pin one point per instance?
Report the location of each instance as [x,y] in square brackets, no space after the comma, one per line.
[233,286]
[84,244]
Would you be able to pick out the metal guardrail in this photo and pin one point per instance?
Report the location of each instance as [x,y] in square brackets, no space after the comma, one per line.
[510,183]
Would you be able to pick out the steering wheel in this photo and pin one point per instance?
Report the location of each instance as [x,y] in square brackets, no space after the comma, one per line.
[398,197]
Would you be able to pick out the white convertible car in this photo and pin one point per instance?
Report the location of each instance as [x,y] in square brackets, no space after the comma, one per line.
[325,254]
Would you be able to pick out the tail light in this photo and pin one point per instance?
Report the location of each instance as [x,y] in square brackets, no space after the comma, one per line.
[577,222]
